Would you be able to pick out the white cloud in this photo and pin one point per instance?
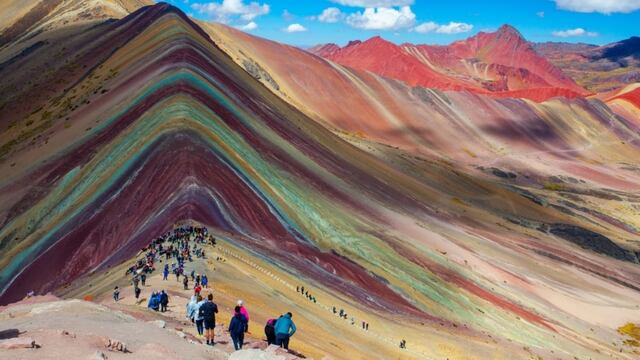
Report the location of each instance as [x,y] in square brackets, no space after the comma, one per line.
[382,18]
[450,28]
[248,27]
[373,3]
[573,32]
[295,28]
[601,6]
[227,8]
[330,15]
[426,27]
[540,14]
[287,15]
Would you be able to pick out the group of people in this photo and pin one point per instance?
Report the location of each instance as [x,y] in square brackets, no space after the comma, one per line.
[310,297]
[201,310]
[158,301]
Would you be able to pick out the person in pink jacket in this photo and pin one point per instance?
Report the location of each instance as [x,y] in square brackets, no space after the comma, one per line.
[243,311]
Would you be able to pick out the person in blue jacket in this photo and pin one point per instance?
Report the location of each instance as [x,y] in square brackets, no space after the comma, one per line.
[285,328]
[154,301]
[237,327]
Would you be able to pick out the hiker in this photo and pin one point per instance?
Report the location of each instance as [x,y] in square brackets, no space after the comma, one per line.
[135,281]
[367,326]
[270,331]
[197,279]
[193,275]
[285,328]
[191,308]
[154,301]
[143,278]
[185,282]
[197,289]
[403,344]
[137,292]
[165,272]
[237,328]
[204,281]
[116,294]
[164,301]
[244,312]
[196,314]
[208,312]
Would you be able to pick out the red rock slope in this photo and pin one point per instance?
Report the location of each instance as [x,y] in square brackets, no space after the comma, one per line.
[502,63]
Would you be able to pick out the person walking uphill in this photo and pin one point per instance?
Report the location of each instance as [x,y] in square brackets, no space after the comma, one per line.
[237,328]
[285,328]
[208,311]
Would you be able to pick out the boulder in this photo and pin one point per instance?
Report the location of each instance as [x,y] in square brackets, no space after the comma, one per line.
[116,345]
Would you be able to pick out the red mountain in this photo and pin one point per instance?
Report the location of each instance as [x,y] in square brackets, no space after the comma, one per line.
[502,63]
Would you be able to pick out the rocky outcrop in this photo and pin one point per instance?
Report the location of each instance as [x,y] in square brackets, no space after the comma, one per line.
[590,240]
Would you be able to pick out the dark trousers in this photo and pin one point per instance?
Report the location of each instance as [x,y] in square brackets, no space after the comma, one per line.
[200,326]
[163,307]
[283,340]
[238,340]
[269,331]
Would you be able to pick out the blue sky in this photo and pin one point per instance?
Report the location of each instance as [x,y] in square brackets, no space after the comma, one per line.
[310,22]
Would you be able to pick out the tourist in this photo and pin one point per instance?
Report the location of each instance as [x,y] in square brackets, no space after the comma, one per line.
[244,312]
[237,328]
[191,308]
[285,328]
[204,281]
[208,311]
[165,272]
[164,301]
[116,294]
[137,291]
[154,301]
[270,331]
[143,279]
[185,282]
[199,319]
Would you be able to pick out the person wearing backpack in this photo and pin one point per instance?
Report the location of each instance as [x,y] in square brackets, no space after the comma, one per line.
[237,327]
[208,311]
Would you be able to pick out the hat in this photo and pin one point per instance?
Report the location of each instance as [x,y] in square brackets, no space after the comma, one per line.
[239,302]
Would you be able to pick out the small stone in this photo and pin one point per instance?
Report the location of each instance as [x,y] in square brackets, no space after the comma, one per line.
[181,334]
[159,323]
[99,355]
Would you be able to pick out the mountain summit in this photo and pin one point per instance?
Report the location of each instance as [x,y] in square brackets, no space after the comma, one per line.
[500,63]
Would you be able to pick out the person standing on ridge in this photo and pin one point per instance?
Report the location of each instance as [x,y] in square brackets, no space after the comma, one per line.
[165,272]
[143,279]
[270,331]
[237,327]
[164,301]
[245,313]
[204,281]
[137,291]
[285,328]
[185,282]
[208,311]
[196,315]
[116,294]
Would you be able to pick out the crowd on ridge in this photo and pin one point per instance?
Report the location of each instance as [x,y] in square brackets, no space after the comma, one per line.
[200,310]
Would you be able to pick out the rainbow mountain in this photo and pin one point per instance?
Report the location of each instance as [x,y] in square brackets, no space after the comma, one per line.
[469,225]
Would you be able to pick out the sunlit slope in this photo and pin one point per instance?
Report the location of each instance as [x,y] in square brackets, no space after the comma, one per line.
[167,127]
